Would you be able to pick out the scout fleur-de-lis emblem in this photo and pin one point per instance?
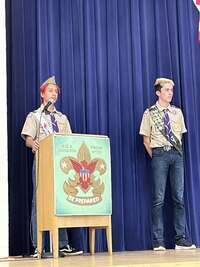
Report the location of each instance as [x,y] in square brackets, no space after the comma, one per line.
[86,177]
[84,170]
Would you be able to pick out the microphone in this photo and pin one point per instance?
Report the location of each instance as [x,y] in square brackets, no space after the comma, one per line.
[49,103]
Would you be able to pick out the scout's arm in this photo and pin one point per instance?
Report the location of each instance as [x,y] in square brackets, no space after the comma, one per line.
[146,142]
[33,144]
[29,132]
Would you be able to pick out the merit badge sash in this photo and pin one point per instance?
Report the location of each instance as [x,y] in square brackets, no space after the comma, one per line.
[159,124]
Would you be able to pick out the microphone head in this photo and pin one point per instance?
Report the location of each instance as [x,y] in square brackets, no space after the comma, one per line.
[49,103]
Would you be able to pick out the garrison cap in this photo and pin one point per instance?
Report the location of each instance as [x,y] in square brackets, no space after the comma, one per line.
[50,80]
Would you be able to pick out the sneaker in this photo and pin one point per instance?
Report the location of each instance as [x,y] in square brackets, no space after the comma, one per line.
[35,254]
[182,243]
[69,251]
[159,248]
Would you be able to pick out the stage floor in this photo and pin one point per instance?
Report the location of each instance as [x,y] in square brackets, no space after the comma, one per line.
[168,258]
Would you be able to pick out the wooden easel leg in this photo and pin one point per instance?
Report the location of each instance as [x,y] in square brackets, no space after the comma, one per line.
[55,242]
[39,243]
[92,239]
[109,239]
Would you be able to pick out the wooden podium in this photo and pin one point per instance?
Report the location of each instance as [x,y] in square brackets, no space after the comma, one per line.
[47,220]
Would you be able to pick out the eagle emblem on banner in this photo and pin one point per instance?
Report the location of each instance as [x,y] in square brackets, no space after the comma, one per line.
[84,174]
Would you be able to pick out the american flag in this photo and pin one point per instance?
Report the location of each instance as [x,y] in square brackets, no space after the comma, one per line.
[197,4]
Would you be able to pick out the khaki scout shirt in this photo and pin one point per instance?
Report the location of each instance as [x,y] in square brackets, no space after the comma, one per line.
[31,125]
[148,128]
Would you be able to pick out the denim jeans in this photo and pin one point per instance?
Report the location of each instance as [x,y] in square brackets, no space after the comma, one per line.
[63,236]
[166,163]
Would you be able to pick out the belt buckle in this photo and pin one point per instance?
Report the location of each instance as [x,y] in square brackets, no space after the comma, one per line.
[167,148]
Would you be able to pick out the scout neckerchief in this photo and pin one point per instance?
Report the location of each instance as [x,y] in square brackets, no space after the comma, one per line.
[160,125]
[167,125]
[54,123]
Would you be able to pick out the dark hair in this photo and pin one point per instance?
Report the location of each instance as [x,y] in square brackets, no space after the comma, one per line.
[157,87]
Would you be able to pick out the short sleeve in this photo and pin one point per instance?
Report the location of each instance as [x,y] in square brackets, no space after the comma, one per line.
[145,126]
[183,127]
[30,127]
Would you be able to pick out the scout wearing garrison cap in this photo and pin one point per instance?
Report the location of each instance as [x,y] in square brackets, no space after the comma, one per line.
[31,125]
[38,125]
[162,127]
[50,80]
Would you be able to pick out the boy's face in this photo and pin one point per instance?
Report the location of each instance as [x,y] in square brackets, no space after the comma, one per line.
[166,93]
[50,93]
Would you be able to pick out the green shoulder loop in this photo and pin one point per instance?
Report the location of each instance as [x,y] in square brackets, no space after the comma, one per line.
[173,106]
[152,108]
[36,110]
[59,113]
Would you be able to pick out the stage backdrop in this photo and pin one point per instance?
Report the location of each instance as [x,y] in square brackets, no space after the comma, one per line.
[106,56]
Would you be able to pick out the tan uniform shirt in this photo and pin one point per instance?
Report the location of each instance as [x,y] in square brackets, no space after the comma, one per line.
[148,128]
[31,126]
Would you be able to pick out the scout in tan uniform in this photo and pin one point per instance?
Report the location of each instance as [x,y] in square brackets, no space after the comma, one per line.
[38,125]
[162,127]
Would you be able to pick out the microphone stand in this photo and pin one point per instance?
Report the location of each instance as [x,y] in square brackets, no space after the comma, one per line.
[44,254]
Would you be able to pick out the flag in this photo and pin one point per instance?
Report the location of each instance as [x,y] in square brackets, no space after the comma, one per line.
[197,4]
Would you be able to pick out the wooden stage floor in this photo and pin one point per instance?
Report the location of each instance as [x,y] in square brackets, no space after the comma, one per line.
[168,258]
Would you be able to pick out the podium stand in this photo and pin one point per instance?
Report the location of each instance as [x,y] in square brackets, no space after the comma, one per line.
[59,184]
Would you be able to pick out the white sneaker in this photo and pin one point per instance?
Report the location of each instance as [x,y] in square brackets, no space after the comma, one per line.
[160,248]
[184,244]
[185,248]
[35,254]
[69,251]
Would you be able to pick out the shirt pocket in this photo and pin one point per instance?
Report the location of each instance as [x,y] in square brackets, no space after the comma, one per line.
[176,125]
[62,127]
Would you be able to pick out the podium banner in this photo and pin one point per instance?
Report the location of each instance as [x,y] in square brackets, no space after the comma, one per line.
[82,175]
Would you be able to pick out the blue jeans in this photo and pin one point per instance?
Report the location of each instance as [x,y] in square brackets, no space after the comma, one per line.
[63,236]
[164,163]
